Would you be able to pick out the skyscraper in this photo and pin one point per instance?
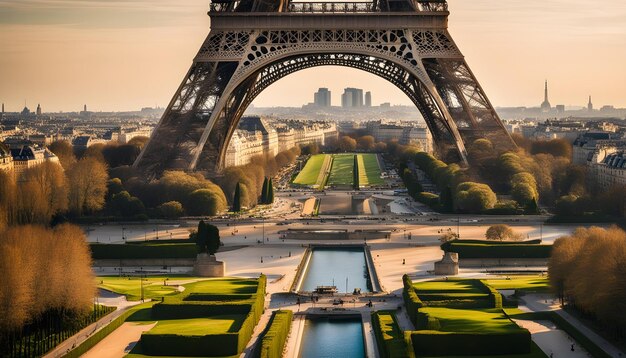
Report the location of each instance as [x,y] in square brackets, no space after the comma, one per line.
[352,97]
[39,109]
[590,105]
[322,98]
[368,99]
[545,106]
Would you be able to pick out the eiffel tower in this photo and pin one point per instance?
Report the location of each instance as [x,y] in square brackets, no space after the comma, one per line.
[254,43]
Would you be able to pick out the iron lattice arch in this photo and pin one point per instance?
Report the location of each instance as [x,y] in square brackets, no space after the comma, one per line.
[237,62]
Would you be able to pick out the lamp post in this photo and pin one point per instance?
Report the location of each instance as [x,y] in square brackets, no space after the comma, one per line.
[123,235]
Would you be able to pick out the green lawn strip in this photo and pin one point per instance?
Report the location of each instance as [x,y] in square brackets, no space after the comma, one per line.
[371,168]
[199,326]
[131,287]
[309,174]
[489,320]
[341,170]
[533,283]
[363,181]
[450,287]
[324,172]
[561,323]
[389,336]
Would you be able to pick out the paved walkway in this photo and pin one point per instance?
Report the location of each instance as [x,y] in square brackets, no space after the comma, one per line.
[544,302]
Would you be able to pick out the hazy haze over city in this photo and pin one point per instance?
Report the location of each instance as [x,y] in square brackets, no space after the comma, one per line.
[121,55]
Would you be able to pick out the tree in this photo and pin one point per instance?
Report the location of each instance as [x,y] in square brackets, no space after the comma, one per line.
[270,192]
[264,191]
[114,186]
[64,151]
[474,197]
[237,198]
[448,236]
[346,144]
[171,210]
[207,238]
[87,186]
[366,143]
[124,205]
[42,194]
[355,172]
[501,232]
[205,202]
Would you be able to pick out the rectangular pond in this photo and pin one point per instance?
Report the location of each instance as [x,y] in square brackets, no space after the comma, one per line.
[343,267]
[333,337]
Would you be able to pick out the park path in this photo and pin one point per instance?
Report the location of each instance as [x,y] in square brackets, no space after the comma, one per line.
[542,302]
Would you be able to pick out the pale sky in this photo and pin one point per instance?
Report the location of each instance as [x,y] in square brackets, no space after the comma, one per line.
[128,54]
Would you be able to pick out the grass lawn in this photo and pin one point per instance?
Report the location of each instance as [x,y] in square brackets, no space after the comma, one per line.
[199,326]
[535,352]
[223,286]
[452,287]
[523,283]
[311,171]
[131,287]
[490,320]
[369,171]
[341,171]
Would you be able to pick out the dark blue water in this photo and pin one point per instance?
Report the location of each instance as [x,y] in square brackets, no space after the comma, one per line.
[323,338]
[331,266]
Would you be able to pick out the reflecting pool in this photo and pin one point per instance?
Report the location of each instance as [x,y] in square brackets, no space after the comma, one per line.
[333,337]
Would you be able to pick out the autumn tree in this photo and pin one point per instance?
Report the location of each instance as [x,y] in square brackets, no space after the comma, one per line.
[64,151]
[501,232]
[87,186]
[346,144]
[366,143]
[42,194]
[171,210]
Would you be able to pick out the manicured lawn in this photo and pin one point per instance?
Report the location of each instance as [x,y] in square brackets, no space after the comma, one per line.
[341,171]
[131,287]
[523,283]
[199,326]
[311,171]
[535,352]
[223,286]
[450,286]
[489,320]
[369,171]
[153,286]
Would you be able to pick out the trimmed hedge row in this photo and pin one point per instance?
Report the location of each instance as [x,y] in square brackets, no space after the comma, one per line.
[505,251]
[135,251]
[225,344]
[446,245]
[389,336]
[411,299]
[494,296]
[275,338]
[437,343]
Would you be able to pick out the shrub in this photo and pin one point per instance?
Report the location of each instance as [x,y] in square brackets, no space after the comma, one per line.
[171,210]
[501,251]
[438,343]
[474,197]
[275,338]
[411,299]
[389,336]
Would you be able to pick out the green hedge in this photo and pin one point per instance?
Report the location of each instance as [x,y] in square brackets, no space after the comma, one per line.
[275,338]
[494,296]
[210,345]
[226,344]
[411,299]
[445,246]
[148,251]
[427,322]
[389,336]
[502,251]
[437,343]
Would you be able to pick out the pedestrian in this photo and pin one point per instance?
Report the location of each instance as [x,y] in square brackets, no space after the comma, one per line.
[403,261]
[572,348]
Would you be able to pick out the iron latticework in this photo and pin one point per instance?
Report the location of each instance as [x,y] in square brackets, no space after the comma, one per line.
[254,43]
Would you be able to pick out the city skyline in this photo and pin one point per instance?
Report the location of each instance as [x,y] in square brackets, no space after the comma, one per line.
[64,54]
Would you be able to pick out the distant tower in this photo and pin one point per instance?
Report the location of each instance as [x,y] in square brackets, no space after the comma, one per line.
[545,106]
[39,109]
[85,108]
[590,105]
[368,99]
[321,98]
